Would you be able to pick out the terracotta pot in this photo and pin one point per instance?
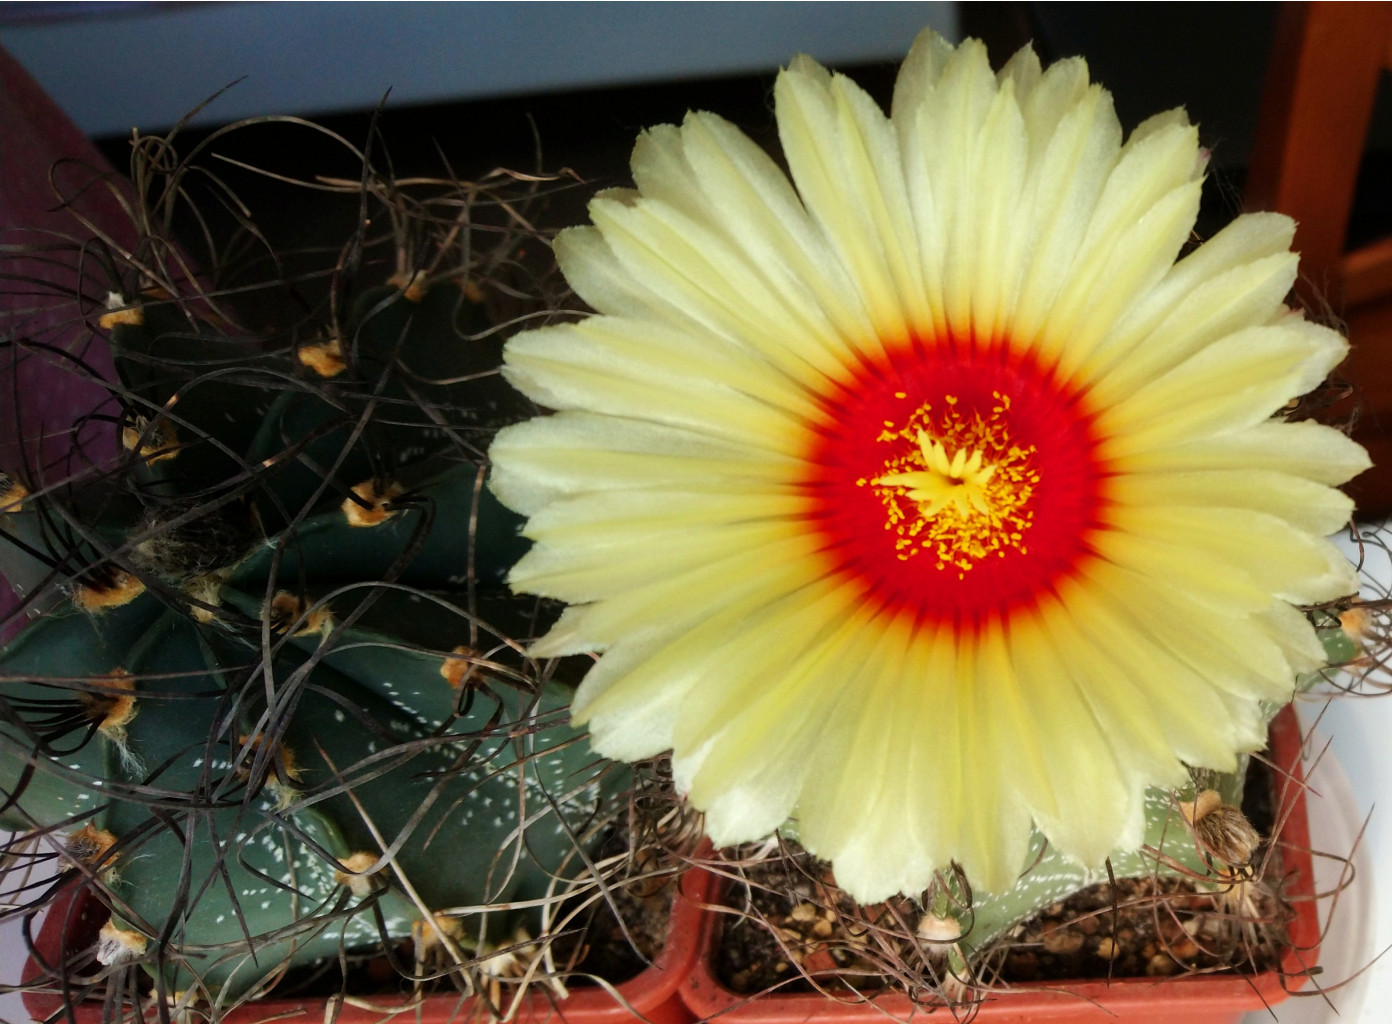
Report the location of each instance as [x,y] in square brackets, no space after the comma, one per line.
[70,929]
[1195,999]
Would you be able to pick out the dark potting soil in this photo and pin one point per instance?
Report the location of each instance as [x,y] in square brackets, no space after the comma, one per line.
[792,923]
[792,926]
[620,937]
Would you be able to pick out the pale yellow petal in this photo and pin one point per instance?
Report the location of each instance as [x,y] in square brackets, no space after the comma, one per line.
[1304,504]
[648,675]
[873,244]
[748,734]
[677,599]
[1188,713]
[1252,293]
[1273,556]
[721,177]
[1230,386]
[1141,219]
[995,831]
[1307,449]
[547,458]
[1082,797]
[1126,713]
[1104,287]
[1066,182]
[596,275]
[716,286]
[591,574]
[880,799]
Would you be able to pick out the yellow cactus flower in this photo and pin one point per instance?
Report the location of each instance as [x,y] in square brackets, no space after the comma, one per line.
[930,496]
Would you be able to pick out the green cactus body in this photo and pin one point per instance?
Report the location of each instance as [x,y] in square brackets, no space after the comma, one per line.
[322,663]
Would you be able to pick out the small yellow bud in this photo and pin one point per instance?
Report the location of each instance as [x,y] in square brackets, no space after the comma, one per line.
[1358,622]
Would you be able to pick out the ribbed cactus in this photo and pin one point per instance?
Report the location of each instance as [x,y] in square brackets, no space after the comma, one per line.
[278,703]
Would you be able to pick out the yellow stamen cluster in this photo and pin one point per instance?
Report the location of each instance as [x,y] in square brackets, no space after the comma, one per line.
[958,488]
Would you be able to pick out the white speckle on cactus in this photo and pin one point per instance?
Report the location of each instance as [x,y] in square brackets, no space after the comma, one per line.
[339,716]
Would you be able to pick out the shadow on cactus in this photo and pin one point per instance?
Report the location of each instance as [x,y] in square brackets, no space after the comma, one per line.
[277,708]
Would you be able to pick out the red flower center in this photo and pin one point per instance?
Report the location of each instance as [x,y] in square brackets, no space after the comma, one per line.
[954,483]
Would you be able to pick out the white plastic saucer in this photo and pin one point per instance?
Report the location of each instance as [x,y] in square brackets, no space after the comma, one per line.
[1350,792]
